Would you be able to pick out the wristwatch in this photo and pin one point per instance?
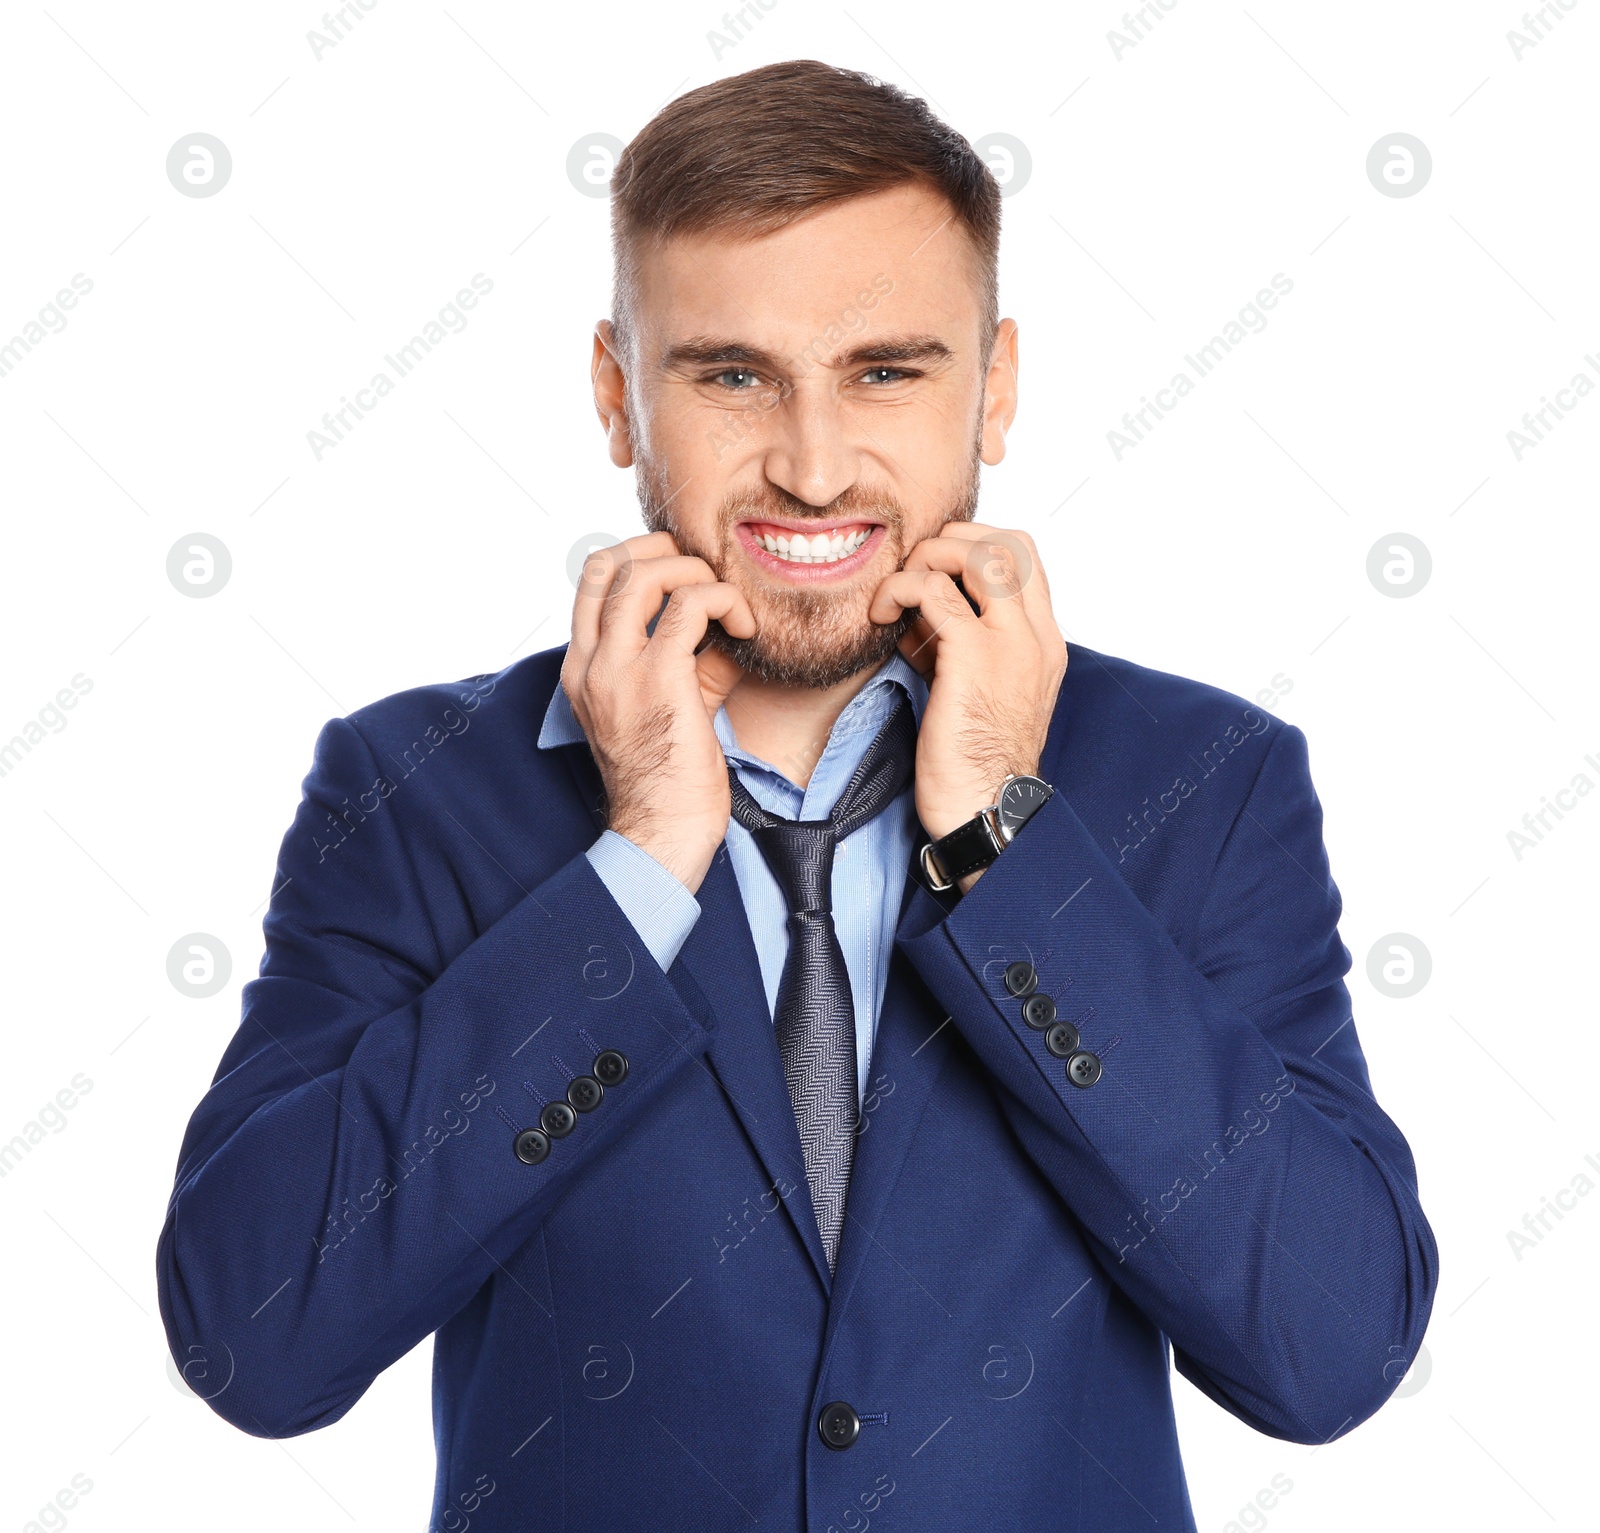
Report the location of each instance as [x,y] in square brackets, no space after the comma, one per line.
[976,844]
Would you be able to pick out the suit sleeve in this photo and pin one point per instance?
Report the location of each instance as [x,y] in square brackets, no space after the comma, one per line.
[1231,1168]
[350,1179]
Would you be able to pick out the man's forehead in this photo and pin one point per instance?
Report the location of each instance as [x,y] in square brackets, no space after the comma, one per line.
[890,265]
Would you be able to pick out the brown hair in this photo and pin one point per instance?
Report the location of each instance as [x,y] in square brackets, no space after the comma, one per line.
[756,151]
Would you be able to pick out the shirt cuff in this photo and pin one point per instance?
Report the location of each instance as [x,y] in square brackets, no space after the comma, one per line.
[659,907]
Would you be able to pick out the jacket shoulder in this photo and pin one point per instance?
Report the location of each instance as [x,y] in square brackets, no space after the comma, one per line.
[1158,766]
[440,794]
[1124,710]
[468,747]
[1114,690]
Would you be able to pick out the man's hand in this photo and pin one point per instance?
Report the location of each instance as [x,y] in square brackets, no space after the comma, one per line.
[994,674]
[646,701]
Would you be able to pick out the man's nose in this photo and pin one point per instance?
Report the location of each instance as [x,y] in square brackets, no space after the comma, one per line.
[810,451]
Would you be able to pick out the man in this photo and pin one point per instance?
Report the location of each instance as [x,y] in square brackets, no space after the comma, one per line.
[805,1047]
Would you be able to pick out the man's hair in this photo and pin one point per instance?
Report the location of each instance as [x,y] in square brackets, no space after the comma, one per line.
[749,154]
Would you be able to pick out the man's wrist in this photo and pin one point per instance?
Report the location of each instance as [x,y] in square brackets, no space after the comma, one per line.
[955,805]
[956,858]
[682,854]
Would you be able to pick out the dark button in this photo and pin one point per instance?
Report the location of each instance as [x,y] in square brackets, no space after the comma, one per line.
[1021,978]
[1039,1011]
[557,1119]
[839,1425]
[584,1092]
[532,1146]
[610,1067]
[1083,1068]
[1061,1039]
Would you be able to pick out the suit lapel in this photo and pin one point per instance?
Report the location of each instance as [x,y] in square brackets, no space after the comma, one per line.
[720,958]
[913,1041]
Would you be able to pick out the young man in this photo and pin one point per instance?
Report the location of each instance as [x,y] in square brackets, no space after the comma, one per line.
[804,1047]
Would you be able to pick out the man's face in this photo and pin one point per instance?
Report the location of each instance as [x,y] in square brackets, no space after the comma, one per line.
[804,408]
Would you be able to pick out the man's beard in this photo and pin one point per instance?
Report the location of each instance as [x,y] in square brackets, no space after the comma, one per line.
[806,636]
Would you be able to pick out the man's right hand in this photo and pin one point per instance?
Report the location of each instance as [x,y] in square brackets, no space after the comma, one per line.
[646,701]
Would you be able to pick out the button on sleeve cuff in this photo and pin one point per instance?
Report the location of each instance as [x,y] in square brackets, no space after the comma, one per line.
[656,903]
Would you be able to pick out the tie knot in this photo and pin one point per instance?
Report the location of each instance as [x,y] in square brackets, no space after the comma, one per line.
[800,854]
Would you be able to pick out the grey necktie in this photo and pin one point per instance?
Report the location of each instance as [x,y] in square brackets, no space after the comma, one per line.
[815,1017]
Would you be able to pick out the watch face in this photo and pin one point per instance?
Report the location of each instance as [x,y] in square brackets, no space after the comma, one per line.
[1019,800]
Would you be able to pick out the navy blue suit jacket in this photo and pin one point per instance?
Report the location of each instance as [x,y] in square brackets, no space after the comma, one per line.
[640,1330]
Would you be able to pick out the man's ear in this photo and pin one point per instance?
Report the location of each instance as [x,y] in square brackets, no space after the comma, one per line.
[611,393]
[1000,393]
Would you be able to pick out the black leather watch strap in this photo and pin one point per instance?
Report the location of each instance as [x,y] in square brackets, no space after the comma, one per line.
[976,844]
[966,849]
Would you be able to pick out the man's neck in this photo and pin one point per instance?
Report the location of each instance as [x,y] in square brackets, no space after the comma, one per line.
[789,726]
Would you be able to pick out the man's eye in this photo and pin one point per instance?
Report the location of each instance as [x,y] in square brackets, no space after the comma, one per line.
[739,379]
[877,375]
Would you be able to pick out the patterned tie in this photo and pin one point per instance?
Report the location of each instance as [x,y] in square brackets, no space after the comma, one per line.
[815,1017]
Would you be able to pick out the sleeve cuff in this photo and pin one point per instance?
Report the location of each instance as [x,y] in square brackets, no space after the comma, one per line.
[658,906]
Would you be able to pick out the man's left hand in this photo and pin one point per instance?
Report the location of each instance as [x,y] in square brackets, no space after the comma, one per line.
[994,674]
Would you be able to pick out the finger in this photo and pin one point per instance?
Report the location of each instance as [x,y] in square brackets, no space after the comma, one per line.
[690,609]
[651,545]
[574,671]
[932,592]
[917,646]
[987,572]
[718,673]
[983,530]
[1023,547]
[625,614]
[964,529]
[1036,600]
[607,569]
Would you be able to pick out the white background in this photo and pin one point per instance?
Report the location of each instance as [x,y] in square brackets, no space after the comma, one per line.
[1168,185]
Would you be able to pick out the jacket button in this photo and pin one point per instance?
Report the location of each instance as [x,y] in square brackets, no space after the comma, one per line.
[1083,1068]
[610,1067]
[584,1092]
[839,1425]
[1061,1039]
[1021,978]
[557,1119]
[531,1146]
[1039,1011]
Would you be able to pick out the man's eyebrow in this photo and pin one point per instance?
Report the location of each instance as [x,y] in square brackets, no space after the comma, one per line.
[701,350]
[908,348]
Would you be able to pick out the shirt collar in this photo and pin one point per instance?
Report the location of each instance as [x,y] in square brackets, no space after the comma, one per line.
[868,708]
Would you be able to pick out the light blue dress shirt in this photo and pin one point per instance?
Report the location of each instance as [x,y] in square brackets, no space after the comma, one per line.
[869,866]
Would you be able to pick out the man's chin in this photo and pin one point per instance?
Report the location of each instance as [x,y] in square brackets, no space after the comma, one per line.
[799,659]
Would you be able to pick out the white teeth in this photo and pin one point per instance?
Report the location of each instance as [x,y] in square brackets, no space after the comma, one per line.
[822,548]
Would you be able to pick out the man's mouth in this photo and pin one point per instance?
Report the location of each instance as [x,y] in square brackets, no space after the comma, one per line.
[810,550]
